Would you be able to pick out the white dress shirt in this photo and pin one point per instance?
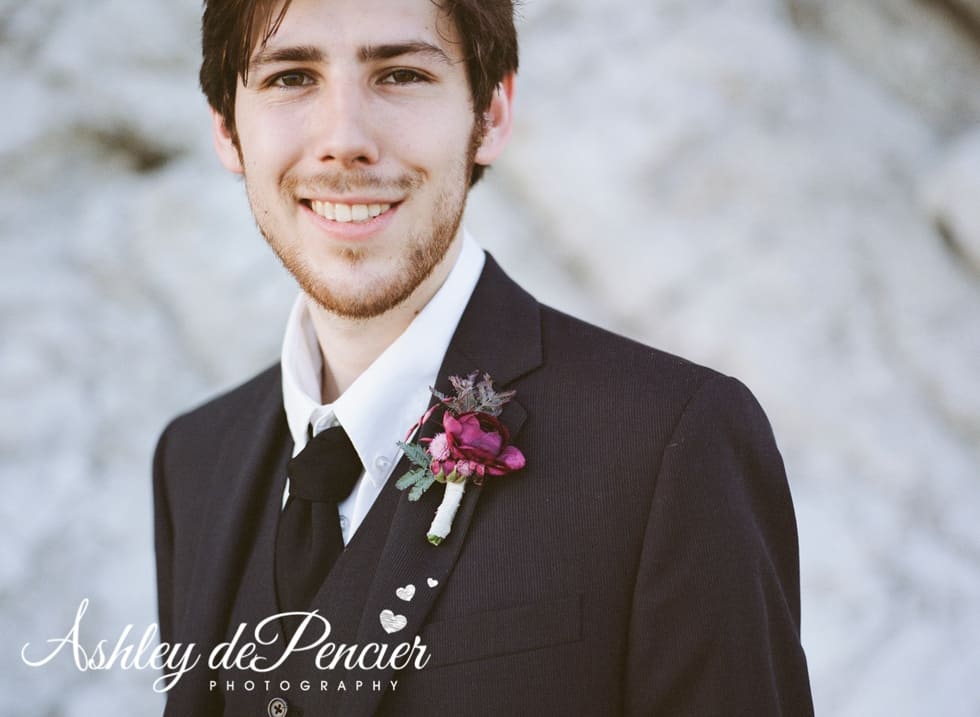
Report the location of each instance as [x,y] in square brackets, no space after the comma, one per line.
[385,401]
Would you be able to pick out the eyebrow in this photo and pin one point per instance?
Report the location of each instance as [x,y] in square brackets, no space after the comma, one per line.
[296,53]
[387,52]
[368,53]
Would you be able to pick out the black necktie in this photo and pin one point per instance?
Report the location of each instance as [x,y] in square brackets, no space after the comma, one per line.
[309,538]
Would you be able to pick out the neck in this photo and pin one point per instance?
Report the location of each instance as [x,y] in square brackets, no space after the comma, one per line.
[349,346]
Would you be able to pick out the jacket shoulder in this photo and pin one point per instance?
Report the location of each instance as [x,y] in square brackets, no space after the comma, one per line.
[600,357]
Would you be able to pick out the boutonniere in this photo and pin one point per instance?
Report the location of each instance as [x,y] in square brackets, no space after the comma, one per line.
[473,444]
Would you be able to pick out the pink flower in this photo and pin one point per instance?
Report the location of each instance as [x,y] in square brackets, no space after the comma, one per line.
[476,444]
[466,468]
[439,447]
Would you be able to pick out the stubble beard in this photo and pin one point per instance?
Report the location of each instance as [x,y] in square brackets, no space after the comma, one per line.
[421,252]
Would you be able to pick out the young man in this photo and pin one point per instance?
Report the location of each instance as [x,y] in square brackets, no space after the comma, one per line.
[640,554]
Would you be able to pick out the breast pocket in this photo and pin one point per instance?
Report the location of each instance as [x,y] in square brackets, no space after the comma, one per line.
[495,633]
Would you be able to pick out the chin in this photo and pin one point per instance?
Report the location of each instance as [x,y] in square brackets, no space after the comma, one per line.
[355,300]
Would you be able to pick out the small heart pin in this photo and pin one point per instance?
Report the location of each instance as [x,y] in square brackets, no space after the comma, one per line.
[392,622]
[406,593]
[432,582]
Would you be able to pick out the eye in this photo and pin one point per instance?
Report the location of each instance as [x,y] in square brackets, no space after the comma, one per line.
[402,76]
[291,79]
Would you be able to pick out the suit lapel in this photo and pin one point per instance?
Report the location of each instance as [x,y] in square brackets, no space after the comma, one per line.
[498,333]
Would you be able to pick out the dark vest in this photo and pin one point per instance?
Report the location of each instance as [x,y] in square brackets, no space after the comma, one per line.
[340,601]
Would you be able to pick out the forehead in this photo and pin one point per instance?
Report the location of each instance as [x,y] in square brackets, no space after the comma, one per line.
[339,26]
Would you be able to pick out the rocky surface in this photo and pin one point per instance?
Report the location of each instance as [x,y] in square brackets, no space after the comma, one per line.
[783,190]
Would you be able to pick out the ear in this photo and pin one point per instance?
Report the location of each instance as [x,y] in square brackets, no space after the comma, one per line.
[499,122]
[225,144]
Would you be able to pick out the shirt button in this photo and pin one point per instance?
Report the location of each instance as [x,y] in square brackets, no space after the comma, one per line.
[343,522]
[278,707]
[381,462]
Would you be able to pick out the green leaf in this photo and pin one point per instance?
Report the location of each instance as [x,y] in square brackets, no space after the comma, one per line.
[416,454]
[418,479]
[421,486]
[409,479]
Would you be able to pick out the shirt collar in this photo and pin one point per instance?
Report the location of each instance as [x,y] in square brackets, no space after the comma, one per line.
[388,398]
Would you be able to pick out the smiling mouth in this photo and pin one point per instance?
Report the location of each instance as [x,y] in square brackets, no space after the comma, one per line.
[347,213]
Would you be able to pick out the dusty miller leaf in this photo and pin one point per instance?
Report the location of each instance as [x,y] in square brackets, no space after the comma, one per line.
[416,454]
[410,478]
[421,486]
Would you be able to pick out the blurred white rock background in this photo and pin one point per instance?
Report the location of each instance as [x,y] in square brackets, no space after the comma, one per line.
[783,189]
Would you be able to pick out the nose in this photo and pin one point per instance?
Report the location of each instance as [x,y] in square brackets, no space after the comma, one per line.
[341,126]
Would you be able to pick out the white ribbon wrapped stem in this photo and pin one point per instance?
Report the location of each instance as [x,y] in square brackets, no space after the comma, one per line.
[443,522]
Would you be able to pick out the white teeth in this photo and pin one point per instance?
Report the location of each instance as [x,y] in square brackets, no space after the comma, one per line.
[345,213]
[342,212]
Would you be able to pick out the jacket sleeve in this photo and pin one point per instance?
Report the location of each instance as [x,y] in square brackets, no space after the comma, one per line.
[163,542]
[715,622]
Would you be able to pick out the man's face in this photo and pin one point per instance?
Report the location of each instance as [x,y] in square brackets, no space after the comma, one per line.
[356,136]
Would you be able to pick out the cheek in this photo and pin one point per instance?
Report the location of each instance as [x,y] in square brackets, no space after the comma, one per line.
[438,138]
[270,140]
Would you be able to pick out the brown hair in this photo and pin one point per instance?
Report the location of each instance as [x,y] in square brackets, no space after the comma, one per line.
[231,28]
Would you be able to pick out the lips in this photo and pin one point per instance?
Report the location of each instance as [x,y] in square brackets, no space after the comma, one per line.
[348,213]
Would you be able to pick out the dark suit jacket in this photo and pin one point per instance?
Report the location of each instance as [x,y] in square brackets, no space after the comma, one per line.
[644,562]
